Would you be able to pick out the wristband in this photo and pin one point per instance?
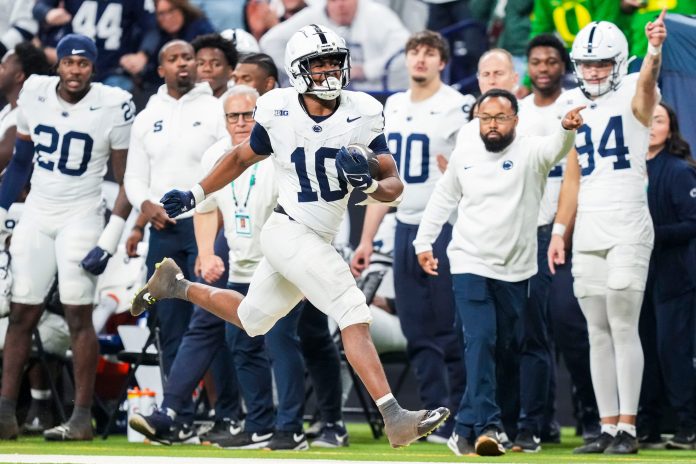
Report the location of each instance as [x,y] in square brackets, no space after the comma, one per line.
[137,227]
[558,229]
[198,193]
[110,236]
[654,51]
[372,187]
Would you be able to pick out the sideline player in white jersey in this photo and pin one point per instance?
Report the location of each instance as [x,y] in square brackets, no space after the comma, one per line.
[605,181]
[306,135]
[72,126]
[421,126]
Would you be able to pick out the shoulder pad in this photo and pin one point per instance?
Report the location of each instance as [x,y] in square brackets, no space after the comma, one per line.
[273,103]
[113,96]
[363,103]
[36,84]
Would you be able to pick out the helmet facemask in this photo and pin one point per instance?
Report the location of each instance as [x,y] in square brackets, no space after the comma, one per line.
[609,83]
[330,86]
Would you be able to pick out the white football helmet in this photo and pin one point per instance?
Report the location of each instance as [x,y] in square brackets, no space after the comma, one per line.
[242,40]
[600,41]
[309,43]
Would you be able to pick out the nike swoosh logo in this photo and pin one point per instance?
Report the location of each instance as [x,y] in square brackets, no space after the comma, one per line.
[537,440]
[256,437]
[234,430]
[297,437]
[468,167]
[76,52]
[104,256]
[348,119]
[435,417]
[357,178]
[94,108]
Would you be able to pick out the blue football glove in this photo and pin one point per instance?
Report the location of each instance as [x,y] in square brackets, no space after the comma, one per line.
[96,260]
[353,169]
[176,202]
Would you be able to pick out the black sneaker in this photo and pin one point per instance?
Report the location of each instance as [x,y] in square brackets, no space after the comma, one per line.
[221,430]
[526,442]
[597,446]
[160,427]
[156,426]
[652,441]
[290,441]
[39,417]
[332,436]
[314,430]
[246,440]
[551,433]
[684,439]
[624,443]
[69,432]
[460,446]
[488,443]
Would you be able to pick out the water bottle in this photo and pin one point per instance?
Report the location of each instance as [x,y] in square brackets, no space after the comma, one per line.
[148,403]
[134,396]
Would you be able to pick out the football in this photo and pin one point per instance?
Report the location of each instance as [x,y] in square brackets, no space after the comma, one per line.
[364,151]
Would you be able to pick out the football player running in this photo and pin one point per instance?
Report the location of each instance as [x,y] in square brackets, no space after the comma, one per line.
[73,126]
[605,182]
[306,129]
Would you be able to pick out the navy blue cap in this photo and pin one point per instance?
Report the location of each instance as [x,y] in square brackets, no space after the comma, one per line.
[77,44]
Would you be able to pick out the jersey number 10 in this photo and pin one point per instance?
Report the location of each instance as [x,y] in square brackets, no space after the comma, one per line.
[306,193]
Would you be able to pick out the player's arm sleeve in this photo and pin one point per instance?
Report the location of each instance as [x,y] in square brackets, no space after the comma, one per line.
[683,198]
[17,173]
[549,150]
[120,134]
[259,141]
[444,199]
[379,145]
[137,178]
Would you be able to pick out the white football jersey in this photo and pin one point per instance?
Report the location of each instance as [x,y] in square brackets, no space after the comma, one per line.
[612,146]
[8,118]
[72,143]
[304,152]
[417,132]
[543,120]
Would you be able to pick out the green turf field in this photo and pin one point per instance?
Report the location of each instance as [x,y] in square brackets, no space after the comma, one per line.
[362,448]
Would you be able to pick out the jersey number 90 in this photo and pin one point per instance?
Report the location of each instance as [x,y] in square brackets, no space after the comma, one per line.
[43,151]
[409,149]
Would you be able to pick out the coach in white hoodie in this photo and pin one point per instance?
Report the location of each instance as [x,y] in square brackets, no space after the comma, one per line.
[496,182]
[167,142]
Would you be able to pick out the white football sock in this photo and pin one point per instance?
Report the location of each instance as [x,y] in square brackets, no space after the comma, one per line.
[611,429]
[602,361]
[623,311]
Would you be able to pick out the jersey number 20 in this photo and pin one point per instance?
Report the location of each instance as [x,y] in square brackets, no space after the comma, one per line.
[620,150]
[43,150]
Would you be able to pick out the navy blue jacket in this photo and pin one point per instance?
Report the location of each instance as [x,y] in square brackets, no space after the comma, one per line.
[672,203]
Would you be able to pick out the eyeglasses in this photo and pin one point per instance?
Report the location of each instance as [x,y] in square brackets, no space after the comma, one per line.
[489,75]
[248,116]
[499,118]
